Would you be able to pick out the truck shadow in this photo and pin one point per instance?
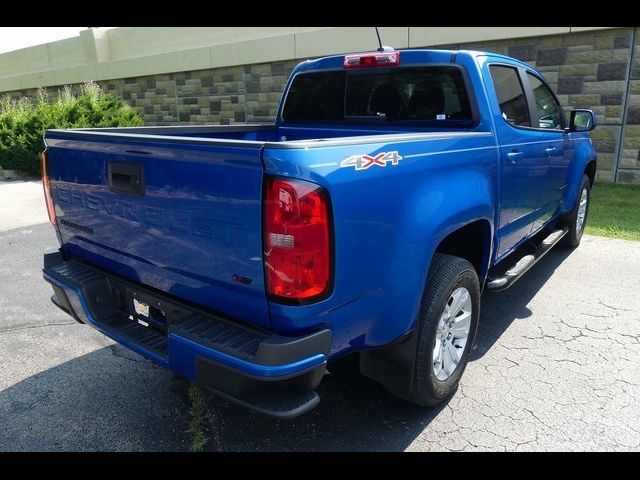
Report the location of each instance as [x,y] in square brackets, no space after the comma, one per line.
[501,309]
[355,414]
[113,400]
[96,402]
[358,414]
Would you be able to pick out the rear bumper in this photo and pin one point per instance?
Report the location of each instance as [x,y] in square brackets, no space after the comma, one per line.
[272,374]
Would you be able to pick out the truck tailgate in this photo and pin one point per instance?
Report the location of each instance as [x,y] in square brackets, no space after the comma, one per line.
[181,217]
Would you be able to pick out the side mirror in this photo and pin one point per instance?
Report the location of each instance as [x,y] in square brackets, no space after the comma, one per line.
[582,121]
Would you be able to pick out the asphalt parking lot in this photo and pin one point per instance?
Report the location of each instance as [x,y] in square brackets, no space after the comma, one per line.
[555,367]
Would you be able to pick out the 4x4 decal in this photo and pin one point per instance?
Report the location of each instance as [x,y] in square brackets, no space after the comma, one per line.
[363,162]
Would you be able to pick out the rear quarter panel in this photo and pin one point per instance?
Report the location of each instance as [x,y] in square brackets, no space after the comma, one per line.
[388,222]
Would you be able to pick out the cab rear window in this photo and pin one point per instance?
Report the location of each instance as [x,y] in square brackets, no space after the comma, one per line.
[396,95]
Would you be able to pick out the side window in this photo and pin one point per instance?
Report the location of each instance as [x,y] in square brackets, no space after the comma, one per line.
[549,114]
[510,95]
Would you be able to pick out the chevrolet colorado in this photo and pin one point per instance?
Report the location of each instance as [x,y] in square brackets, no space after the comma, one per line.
[393,187]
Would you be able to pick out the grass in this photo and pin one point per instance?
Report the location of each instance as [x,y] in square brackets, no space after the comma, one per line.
[614,211]
[197,412]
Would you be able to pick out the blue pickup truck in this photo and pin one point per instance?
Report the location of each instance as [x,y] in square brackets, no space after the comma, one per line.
[393,188]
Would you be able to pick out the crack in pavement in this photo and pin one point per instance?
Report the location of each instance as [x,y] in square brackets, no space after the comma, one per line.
[31,327]
[615,309]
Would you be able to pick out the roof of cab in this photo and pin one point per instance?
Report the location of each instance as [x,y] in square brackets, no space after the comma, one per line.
[329,61]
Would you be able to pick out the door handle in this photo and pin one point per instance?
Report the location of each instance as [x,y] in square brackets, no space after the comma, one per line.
[550,152]
[514,156]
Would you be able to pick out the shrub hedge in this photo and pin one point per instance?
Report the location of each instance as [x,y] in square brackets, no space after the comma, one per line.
[23,122]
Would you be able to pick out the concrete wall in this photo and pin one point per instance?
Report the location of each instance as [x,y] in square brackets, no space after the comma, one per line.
[589,67]
[141,51]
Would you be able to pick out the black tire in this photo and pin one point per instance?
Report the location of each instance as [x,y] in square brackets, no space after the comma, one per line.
[574,235]
[447,273]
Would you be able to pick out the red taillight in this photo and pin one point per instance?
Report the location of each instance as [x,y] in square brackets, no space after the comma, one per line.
[46,185]
[297,240]
[375,59]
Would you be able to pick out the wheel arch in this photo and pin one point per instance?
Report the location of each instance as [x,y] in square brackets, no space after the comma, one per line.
[473,242]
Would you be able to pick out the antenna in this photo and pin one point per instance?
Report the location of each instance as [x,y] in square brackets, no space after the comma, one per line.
[382,48]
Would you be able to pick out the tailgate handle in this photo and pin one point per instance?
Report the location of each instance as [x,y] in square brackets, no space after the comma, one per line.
[126,178]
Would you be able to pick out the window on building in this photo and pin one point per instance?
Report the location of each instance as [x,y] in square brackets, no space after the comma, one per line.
[510,95]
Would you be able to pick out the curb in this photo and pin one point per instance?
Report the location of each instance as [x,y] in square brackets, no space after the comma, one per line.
[9,175]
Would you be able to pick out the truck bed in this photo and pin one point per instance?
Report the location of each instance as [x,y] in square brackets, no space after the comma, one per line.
[253,135]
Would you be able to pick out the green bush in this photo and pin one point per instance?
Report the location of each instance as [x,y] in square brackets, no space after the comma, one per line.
[23,122]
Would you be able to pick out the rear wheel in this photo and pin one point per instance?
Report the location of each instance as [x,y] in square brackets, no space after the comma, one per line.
[576,219]
[446,329]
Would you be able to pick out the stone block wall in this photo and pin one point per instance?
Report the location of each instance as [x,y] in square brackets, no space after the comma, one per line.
[224,96]
[586,69]
[629,167]
[590,70]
